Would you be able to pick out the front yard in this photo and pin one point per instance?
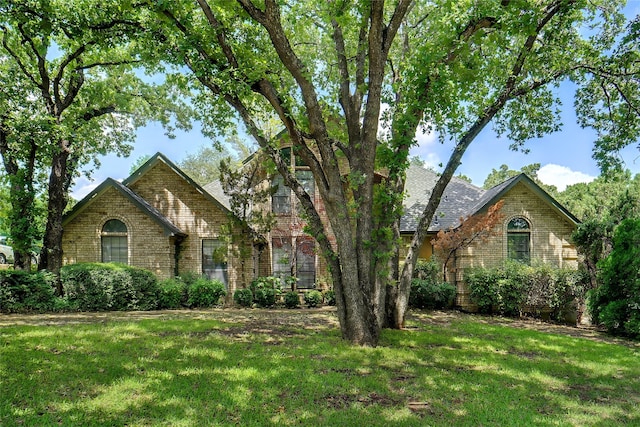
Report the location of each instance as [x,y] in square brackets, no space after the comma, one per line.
[290,367]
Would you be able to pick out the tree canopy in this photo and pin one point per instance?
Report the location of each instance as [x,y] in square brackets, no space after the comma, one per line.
[352,82]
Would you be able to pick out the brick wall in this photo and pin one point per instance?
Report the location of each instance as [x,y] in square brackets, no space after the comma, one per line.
[193,212]
[148,246]
[550,239]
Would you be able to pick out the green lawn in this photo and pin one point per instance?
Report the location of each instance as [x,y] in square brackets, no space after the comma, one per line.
[277,367]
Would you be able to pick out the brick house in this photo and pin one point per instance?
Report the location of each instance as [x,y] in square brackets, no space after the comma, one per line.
[161,220]
[535,226]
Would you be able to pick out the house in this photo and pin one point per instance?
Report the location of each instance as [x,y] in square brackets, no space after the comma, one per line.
[161,220]
[535,226]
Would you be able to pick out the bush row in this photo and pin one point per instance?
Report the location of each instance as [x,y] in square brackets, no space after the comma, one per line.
[101,287]
[516,289]
[267,291]
[107,287]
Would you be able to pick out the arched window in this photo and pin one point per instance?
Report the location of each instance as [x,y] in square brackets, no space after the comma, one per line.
[519,240]
[114,242]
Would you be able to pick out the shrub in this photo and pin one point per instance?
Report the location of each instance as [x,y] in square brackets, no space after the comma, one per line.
[517,288]
[428,270]
[313,298]
[483,288]
[22,291]
[243,297]
[172,295]
[205,293]
[264,297]
[99,287]
[291,299]
[329,297]
[266,290]
[429,294]
[616,302]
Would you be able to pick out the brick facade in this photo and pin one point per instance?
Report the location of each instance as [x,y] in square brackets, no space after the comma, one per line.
[178,200]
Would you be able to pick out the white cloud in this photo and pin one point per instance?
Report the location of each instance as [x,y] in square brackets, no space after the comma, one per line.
[425,149]
[82,189]
[562,176]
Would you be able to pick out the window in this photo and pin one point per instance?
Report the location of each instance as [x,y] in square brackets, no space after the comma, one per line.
[214,260]
[281,257]
[305,178]
[519,240]
[114,242]
[281,199]
[306,263]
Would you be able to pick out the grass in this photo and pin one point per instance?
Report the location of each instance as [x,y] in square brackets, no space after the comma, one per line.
[290,367]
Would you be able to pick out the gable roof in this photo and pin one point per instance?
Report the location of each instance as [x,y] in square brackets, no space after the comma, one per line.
[494,194]
[460,199]
[169,227]
[159,157]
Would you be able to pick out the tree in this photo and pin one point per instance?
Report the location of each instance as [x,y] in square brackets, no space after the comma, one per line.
[603,205]
[325,69]
[477,228]
[497,176]
[616,303]
[204,166]
[76,61]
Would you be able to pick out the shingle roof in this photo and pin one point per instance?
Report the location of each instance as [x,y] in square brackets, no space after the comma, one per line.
[457,200]
[169,227]
[460,199]
[215,189]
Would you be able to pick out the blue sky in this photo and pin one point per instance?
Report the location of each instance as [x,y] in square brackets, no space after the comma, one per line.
[565,156]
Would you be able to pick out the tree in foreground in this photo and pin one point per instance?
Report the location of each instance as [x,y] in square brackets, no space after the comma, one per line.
[352,82]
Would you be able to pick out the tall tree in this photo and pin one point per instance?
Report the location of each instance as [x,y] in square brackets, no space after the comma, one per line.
[77,61]
[325,69]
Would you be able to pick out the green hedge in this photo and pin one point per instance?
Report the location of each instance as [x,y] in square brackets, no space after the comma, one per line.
[101,287]
[204,293]
[515,289]
[22,291]
[428,294]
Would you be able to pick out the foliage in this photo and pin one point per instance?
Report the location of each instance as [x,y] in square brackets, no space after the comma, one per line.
[497,176]
[172,294]
[428,269]
[100,287]
[266,290]
[204,165]
[616,301]
[429,294]
[516,289]
[329,297]
[22,291]
[204,293]
[324,71]
[474,229]
[313,298]
[608,99]
[243,297]
[531,377]
[74,91]
[291,299]
[603,204]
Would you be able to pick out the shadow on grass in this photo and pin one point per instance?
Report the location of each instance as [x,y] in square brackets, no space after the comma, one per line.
[292,368]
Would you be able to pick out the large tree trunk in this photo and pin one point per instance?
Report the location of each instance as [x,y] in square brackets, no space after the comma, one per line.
[59,182]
